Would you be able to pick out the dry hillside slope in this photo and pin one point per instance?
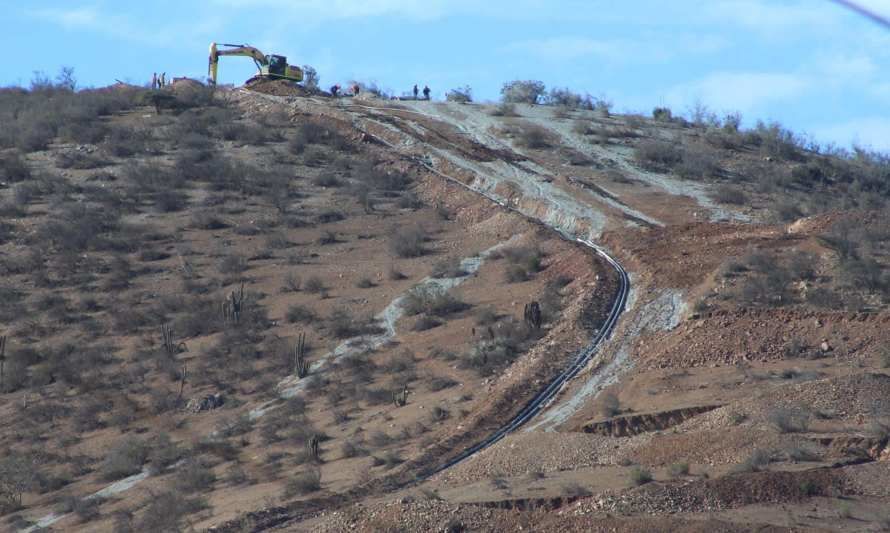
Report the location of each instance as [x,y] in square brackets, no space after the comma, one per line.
[255,309]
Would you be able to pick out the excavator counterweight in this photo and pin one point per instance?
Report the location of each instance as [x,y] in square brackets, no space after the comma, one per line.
[272,66]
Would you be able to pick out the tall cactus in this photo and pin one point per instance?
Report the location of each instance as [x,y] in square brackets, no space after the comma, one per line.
[400,399]
[233,306]
[2,358]
[532,315]
[170,345]
[301,365]
[183,376]
[312,447]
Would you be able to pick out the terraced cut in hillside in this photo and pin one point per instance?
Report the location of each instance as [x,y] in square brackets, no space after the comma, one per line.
[266,310]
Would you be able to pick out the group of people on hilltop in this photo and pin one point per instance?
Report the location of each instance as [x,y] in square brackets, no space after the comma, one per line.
[335,91]
[426,92]
[158,82]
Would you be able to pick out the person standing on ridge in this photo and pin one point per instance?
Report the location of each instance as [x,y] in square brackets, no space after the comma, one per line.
[415,91]
[426,92]
[335,89]
[163,79]
[154,81]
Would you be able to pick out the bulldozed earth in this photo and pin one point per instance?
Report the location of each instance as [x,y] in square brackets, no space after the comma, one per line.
[262,309]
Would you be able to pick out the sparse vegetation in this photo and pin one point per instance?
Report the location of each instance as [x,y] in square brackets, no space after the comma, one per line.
[640,476]
[449,267]
[409,242]
[657,155]
[524,262]
[533,136]
[504,109]
[610,405]
[114,226]
[462,95]
[757,461]
[523,92]
[125,459]
[432,301]
[678,469]
[786,420]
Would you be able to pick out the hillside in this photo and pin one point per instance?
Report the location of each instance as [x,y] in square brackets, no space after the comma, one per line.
[252,309]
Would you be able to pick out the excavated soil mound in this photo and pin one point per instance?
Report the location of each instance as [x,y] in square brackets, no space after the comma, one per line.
[189,84]
[278,88]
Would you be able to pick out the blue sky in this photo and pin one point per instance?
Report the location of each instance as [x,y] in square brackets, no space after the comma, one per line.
[815,67]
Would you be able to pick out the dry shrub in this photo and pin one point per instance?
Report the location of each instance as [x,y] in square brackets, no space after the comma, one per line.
[344,325]
[303,483]
[300,314]
[533,136]
[124,459]
[504,109]
[432,301]
[729,194]
[13,168]
[698,162]
[409,241]
[657,155]
[522,92]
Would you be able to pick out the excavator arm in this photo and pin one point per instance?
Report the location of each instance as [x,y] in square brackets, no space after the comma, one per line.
[232,50]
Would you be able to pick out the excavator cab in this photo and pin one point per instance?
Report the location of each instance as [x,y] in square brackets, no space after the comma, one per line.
[276,68]
[277,65]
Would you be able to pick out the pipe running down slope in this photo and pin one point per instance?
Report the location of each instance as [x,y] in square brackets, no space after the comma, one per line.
[544,397]
[549,393]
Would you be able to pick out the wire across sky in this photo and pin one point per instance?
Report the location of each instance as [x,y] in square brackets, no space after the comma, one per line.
[883,21]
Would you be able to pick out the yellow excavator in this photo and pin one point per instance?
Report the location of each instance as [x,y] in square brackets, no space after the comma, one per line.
[271,67]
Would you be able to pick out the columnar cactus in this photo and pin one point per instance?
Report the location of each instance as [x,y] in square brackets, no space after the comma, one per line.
[301,365]
[533,315]
[233,306]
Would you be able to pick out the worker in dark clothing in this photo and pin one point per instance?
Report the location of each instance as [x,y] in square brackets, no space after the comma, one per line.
[335,90]
[355,89]
[426,92]
[415,91]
